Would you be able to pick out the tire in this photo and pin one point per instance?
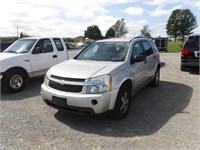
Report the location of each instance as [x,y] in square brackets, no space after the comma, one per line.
[183,68]
[13,81]
[156,80]
[123,103]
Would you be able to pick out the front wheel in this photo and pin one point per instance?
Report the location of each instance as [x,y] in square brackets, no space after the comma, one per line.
[123,103]
[13,81]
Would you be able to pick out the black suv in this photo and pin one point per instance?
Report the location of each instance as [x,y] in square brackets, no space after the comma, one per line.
[190,53]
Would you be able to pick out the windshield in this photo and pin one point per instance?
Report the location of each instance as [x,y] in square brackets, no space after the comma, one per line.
[21,46]
[105,51]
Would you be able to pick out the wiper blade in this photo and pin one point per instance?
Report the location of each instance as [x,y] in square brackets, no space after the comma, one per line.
[10,51]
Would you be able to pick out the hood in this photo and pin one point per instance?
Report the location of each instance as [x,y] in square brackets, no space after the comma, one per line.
[4,56]
[83,69]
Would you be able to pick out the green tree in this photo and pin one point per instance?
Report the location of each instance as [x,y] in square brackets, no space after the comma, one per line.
[146,31]
[110,33]
[181,23]
[93,32]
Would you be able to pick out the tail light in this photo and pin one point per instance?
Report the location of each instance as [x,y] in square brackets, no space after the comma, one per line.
[184,52]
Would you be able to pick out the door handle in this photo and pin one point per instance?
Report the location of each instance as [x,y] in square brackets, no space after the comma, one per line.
[54,56]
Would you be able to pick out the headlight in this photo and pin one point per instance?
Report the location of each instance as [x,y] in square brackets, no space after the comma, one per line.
[47,76]
[99,84]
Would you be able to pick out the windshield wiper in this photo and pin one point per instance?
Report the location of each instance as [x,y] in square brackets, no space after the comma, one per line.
[10,51]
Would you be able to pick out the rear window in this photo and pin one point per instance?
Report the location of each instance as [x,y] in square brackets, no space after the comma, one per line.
[192,42]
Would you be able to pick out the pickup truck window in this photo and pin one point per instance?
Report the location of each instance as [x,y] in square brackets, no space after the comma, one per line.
[59,45]
[44,45]
[105,51]
[21,46]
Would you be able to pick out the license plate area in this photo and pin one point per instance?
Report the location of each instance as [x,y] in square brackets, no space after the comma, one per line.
[62,102]
[196,53]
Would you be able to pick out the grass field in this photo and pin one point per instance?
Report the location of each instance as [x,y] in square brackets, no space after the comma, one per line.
[174,47]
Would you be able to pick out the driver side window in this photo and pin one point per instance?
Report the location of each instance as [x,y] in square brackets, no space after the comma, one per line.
[137,49]
[43,46]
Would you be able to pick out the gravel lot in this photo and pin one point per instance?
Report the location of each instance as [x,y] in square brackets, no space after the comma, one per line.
[163,118]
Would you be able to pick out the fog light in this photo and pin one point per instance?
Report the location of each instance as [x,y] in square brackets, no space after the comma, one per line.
[94,102]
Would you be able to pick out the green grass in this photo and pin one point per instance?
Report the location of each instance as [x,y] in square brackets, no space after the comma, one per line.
[174,47]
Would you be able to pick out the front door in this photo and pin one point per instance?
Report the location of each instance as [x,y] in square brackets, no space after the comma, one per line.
[43,57]
[138,69]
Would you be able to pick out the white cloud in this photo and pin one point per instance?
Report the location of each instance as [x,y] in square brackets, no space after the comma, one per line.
[134,27]
[50,17]
[70,18]
[161,12]
[134,11]
[105,22]
[159,3]
[197,4]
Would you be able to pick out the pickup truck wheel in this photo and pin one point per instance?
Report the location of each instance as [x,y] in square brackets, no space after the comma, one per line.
[13,81]
[156,79]
[123,103]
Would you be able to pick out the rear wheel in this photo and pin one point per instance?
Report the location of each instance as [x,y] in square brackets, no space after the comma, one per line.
[156,79]
[13,81]
[123,103]
[183,68]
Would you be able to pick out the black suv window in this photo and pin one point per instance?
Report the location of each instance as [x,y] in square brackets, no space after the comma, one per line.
[59,45]
[147,48]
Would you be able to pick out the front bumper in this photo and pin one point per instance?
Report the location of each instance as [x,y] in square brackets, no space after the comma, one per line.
[80,103]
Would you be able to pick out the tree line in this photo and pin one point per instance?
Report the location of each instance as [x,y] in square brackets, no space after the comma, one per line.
[181,23]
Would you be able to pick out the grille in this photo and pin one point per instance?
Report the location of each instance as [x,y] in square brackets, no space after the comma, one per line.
[66,87]
[67,79]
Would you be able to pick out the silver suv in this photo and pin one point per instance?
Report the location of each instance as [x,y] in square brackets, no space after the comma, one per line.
[103,77]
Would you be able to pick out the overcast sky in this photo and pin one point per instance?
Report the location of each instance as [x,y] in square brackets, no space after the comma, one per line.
[69,18]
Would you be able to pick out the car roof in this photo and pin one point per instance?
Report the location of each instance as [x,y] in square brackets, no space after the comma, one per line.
[38,37]
[115,40]
[195,34]
[123,39]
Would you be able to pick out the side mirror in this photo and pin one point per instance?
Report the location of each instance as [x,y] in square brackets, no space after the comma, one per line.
[138,58]
[37,50]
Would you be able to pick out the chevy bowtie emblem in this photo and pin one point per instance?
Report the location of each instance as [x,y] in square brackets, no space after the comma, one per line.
[62,82]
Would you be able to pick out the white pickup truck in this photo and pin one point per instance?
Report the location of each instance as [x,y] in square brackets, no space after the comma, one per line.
[30,57]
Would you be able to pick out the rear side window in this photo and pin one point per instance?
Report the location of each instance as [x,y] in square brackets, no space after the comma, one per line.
[147,48]
[59,45]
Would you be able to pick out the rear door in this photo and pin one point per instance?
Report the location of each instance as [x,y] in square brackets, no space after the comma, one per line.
[44,58]
[151,60]
[62,52]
